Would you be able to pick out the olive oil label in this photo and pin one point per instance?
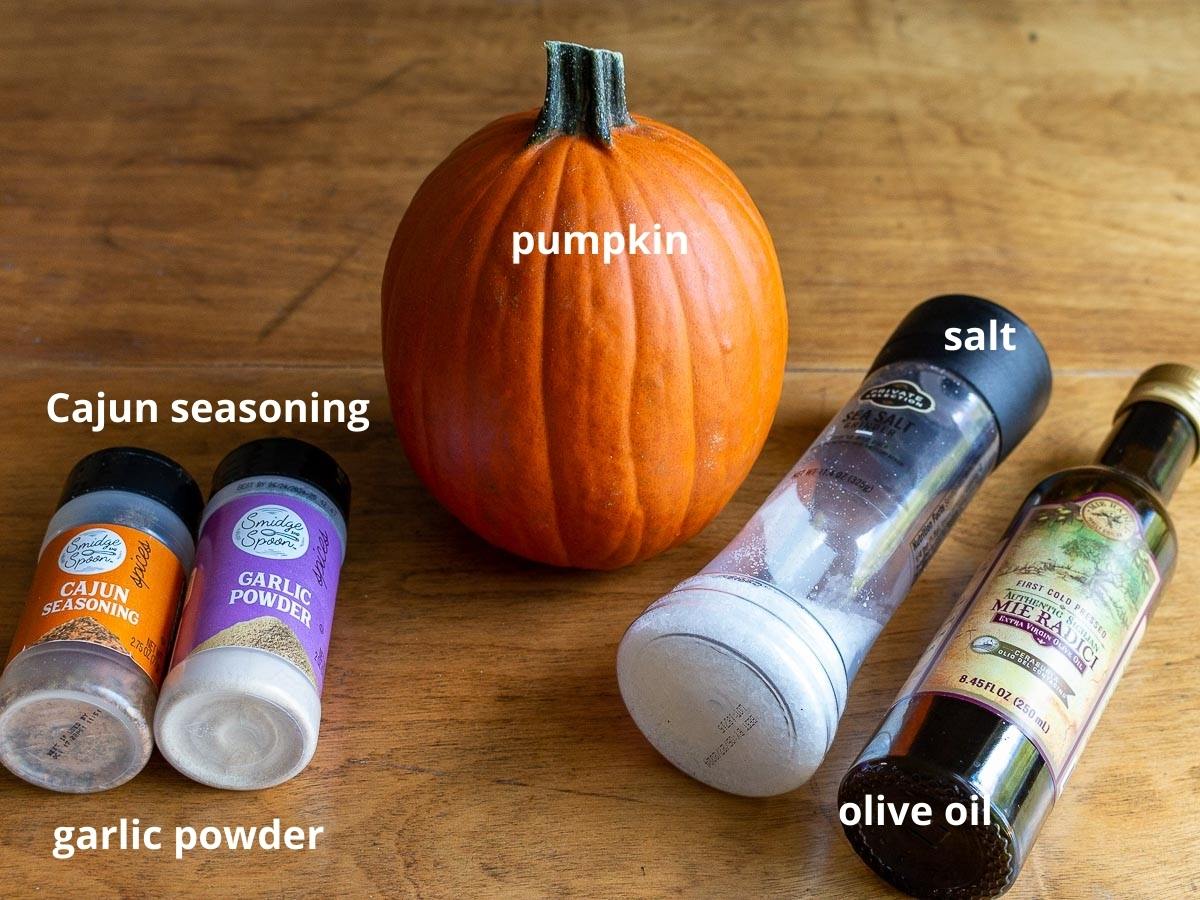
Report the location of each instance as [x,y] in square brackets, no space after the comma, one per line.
[109,585]
[1044,637]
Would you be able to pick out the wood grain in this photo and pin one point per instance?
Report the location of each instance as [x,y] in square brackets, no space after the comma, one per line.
[196,201]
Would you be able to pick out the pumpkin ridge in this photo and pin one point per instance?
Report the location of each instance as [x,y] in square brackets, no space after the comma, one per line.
[408,240]
[637,519]
[477,267]
[756,327]
[425,209]
[420,384]
[483,144]
[413,235]
[556,206]
[711,317]
[687,321]
[493,130]
[678,145]
[734,253]
[685,148]
[424,212]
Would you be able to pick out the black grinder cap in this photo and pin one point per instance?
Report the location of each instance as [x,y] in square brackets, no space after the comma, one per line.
[141,472]
[1015,384]
[287,458]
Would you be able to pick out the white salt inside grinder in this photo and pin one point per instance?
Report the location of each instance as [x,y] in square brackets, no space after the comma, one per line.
[740,674]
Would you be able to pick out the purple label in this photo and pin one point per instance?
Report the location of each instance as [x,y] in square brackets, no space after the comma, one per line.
[266,576]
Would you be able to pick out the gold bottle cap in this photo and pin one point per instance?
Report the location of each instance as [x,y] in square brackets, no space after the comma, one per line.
[1171,383]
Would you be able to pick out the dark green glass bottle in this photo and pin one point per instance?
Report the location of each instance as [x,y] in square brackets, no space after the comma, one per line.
[994,717]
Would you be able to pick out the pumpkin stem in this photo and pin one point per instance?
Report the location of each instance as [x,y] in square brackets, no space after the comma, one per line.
[585,93]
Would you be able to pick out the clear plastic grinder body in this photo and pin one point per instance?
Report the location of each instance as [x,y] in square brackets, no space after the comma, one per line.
[739,675]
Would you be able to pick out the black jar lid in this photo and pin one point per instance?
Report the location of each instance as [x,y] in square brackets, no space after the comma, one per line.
[137,471]
[287,458]
[1015,384]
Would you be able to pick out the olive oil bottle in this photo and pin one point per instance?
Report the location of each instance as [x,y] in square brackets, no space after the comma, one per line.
[1000,706]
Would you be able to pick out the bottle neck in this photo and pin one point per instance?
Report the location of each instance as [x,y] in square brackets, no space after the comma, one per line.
[1153,442]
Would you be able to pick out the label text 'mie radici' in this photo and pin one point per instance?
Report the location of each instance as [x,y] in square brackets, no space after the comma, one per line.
[607,244]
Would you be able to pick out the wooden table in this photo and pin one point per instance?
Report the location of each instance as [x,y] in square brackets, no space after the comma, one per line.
[196,200]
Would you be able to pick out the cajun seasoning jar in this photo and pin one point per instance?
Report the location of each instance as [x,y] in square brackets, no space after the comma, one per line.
[78,692]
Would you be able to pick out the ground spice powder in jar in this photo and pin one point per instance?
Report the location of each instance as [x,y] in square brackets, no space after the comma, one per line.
[265,633]
[241,707]
[78,692]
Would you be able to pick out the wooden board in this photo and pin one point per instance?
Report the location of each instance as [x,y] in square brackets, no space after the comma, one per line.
[196,200]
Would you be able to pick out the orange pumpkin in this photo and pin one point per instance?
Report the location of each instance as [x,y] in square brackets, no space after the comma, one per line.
[571,410]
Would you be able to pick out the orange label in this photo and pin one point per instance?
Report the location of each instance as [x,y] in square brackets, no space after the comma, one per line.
[109,585]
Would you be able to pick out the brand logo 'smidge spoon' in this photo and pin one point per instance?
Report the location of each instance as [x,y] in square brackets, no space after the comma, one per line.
[1002,703]
[740,675]
[271,531]
[91,552]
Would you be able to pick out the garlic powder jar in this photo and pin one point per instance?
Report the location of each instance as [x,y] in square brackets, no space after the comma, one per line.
[241,706]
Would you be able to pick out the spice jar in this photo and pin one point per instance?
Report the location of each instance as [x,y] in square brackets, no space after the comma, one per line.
[740,674]
[241,706]
[78,692]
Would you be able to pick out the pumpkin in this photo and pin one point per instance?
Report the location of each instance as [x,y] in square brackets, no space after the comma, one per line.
[573,410]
